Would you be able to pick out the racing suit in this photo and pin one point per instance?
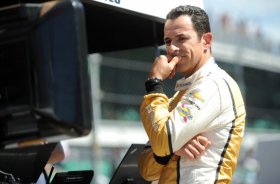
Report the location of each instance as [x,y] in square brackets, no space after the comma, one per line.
[209,103]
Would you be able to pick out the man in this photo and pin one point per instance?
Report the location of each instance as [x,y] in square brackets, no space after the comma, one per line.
[208,103]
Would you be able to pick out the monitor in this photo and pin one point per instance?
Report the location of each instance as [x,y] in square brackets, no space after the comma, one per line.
[127,171]
[44,72]
[24,165]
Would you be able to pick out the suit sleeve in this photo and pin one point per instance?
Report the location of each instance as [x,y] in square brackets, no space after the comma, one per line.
[149,169]
[154,116]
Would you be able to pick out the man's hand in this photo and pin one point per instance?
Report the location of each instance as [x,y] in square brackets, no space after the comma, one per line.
[194,148]
[164,67]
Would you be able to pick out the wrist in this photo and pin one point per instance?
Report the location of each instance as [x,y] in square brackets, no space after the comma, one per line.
[154,85]
[162,160]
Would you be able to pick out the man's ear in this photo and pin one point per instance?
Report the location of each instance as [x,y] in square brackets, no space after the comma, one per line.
[207,40]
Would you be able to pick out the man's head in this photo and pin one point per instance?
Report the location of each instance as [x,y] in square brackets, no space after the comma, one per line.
[187,35]
[198,16]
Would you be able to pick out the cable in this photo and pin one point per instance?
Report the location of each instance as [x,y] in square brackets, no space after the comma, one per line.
[45,175]
[50,175]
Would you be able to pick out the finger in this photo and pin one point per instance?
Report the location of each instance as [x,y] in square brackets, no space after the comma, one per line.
[160,59]
[173,62]
[203,141]
[185,153]
[190,148]
[189,154]
[198,146]
[169,57]
[172,73]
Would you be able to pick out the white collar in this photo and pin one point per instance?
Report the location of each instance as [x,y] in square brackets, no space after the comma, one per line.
[184,83]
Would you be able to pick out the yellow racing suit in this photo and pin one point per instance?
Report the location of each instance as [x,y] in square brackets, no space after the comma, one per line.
[209,103]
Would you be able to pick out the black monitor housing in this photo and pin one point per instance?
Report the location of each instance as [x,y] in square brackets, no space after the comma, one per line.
[44,74]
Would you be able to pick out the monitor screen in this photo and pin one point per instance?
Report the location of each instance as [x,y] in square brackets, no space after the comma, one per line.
[45,82]
[127,171]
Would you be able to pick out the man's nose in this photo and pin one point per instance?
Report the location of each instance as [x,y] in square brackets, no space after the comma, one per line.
[173,50]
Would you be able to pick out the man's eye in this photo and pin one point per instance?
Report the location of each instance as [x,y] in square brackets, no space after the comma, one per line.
[167,42]
[182,39]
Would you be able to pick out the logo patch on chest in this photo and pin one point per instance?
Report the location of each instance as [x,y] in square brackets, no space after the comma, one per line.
[184,112]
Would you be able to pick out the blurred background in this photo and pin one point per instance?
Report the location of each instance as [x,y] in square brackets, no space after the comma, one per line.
[246,44]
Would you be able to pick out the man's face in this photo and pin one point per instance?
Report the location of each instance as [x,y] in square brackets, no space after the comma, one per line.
[182,40]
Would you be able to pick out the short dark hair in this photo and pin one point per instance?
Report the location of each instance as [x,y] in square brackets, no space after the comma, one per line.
[198,16]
